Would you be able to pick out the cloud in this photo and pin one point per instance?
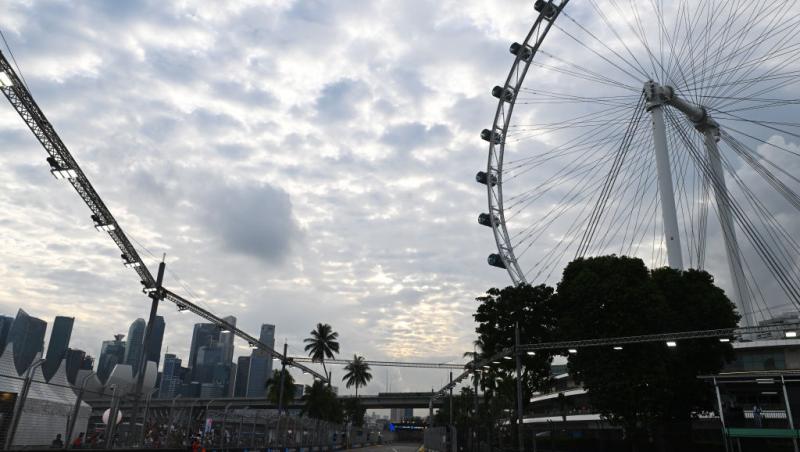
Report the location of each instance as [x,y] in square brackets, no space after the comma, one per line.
[253,220]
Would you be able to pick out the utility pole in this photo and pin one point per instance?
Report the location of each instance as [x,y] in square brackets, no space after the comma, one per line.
[156,295]
[283,379]
[521,439]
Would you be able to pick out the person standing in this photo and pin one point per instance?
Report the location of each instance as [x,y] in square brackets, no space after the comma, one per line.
[757,416]
[57,443]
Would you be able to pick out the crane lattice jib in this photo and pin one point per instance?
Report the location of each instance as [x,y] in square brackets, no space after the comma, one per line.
[186,305]
[63,163]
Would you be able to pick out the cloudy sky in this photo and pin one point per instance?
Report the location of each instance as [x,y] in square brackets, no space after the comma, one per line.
[297,161]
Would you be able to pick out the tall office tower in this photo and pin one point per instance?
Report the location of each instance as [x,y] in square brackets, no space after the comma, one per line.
[226,340]
[75,359]
[111,354]
[135,343]
[154,342]
[261,363]
[58,345]
[5,327]
[203,334]
[170,377]
[240,383]
[27,336]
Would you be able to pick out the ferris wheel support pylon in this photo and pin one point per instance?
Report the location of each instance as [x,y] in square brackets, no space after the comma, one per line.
[740,291]
[656,99]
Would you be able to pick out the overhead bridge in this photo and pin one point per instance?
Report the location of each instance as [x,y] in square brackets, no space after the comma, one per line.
[378,401]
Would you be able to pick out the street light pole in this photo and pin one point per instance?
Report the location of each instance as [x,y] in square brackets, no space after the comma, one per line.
[156,295]
[75,410]
[521,439]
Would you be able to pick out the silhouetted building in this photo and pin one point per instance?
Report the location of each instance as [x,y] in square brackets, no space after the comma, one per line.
[27,337]
[111,354]
[226,340]
[171,378]
[135,340]
[58,345]
[5,328]
[203,334]
[75,361]
[155,340]
[242,368]
[261,364]
[298,391]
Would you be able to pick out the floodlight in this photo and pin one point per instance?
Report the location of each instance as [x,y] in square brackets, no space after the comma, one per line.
[506,357]
[618,347]
[5,81]
[532,353]
[573,351]
[724,339]
[791,334]
[672,344]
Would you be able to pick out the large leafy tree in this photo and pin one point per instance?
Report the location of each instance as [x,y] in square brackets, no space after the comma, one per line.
[357,373]
[273,388]
[321,403]
[643,385]
[500,310]
[322,344]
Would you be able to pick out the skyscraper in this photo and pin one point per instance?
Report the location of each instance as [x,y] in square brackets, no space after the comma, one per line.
[135,343]
[155,340]
[27,336]
[5,327]
[75,362]
[226,340]
[111,354]
[261,363]
[170,377]
[58,345]
[203,334]
[242,369]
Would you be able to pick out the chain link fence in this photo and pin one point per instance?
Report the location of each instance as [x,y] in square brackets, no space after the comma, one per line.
[35,414]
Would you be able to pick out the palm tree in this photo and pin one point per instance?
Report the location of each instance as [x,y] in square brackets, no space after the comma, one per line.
[357,373]
[322,344]
[274,388]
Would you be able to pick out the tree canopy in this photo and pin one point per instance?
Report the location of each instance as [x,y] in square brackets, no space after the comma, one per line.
[273,388]
[642,384]
[320,402]
[357,373]
[322,344]
[531,308]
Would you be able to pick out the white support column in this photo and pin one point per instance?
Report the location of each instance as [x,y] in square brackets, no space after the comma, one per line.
[665,188]
[740,292]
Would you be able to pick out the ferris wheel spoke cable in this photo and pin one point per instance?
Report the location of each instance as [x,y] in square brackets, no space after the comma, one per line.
[588,167]
[620,195]
[768,31]
[740,36]
[785,279]
[611,178]
[534,231]
[747,155]
[761,157]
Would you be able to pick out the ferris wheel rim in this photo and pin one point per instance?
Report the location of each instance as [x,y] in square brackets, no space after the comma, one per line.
[494,166]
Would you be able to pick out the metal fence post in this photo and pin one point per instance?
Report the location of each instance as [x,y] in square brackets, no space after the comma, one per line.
[789,413]
[20,403]
[76,410]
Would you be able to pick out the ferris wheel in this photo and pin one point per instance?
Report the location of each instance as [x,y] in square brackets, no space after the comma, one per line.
[622,123]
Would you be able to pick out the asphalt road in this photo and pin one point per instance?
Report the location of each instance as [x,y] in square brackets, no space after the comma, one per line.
[392,448]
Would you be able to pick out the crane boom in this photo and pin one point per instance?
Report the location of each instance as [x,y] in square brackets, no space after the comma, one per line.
[63,165]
